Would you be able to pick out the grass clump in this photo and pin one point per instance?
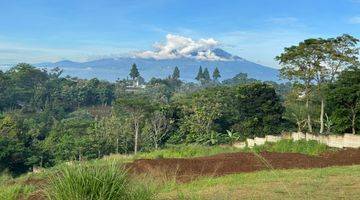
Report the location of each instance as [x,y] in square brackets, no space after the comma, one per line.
[187,151]
[15,191]
[96,182]
[311,147]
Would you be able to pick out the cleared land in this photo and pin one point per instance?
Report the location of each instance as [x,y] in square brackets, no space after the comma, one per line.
[188,169]
[317,173]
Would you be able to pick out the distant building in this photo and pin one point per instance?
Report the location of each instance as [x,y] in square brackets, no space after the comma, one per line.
[137,84]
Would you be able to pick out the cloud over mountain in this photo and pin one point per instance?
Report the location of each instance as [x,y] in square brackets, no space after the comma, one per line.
[183,47]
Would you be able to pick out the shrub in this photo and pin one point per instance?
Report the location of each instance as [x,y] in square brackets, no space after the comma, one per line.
[96,182]
[14,192]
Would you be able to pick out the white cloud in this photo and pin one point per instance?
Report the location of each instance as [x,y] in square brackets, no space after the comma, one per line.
[178,46]
[354,20]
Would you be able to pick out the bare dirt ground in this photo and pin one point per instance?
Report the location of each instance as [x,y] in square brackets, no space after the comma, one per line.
[187,169]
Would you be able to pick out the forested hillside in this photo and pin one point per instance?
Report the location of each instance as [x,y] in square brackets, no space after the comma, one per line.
[47,118]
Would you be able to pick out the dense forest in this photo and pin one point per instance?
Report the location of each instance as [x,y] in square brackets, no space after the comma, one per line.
[47,118]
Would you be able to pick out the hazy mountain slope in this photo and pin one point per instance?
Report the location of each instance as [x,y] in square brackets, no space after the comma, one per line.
[114,68]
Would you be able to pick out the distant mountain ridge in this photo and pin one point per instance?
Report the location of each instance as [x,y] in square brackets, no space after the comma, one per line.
[118,68]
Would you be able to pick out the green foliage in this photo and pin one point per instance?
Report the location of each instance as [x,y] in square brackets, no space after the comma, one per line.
[344,98]
[187,151]
[134,72]
[258,110]
[311,147]
[206,75]
[317,61]
[176,74]
[216,74]
[15,191]
[241,78]
[81,181]
[200,74]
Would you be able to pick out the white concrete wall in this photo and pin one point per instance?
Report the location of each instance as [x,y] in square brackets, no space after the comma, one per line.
[298,136]
[239,145]
[338,141]
[352,141]
[259,141]
[335,141]
[272,138]
[250,142]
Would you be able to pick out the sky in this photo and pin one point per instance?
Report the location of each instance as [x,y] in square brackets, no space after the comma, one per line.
[38,31]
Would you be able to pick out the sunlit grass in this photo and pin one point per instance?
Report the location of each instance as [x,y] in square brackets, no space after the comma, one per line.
[325,183]
[15,191]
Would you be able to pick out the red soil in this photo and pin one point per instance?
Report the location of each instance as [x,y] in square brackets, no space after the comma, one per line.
[186,169]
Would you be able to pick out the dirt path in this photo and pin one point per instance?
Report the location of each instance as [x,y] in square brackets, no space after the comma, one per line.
[187,169]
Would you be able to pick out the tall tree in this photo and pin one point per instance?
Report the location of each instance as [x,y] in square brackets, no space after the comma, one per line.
[344,98]
[216,74]
[176,74]
[135,108]
[134,72]
[300,64]
[338,54]
[160,126]
[206,75]
[200,74]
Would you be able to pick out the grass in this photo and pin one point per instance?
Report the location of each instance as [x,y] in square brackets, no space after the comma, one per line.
[95,182]
[325,183]
[311,147]
[171,151]
[15,191]
[106,179]
[187,151]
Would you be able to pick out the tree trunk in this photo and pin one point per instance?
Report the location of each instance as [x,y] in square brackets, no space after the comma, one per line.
[322,116]
[156,138]
[299,126]
[353,121]
[136,126]
[117,145]
[308,115]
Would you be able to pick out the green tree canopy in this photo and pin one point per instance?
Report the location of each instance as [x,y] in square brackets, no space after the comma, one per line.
[134,72]
[206,75]
[176,74]
[344,99]
[216,74]
[200,74]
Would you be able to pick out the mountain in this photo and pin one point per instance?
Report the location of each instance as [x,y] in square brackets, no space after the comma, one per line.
[113,68]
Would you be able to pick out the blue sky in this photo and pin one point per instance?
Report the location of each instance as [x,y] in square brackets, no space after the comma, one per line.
[37,31]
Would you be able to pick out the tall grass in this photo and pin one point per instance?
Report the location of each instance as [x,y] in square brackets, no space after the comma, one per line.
[310,147]
[96,182]
[187,151]
[15,191]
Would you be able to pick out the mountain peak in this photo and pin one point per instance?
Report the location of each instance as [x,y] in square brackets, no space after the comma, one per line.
[182,47]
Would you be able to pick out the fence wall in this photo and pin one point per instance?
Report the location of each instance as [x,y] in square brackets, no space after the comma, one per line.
[338,141]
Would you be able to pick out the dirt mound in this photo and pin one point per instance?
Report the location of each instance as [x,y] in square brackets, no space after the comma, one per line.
[186,169]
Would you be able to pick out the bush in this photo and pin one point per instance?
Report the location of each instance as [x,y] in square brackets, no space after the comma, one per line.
[95,182]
